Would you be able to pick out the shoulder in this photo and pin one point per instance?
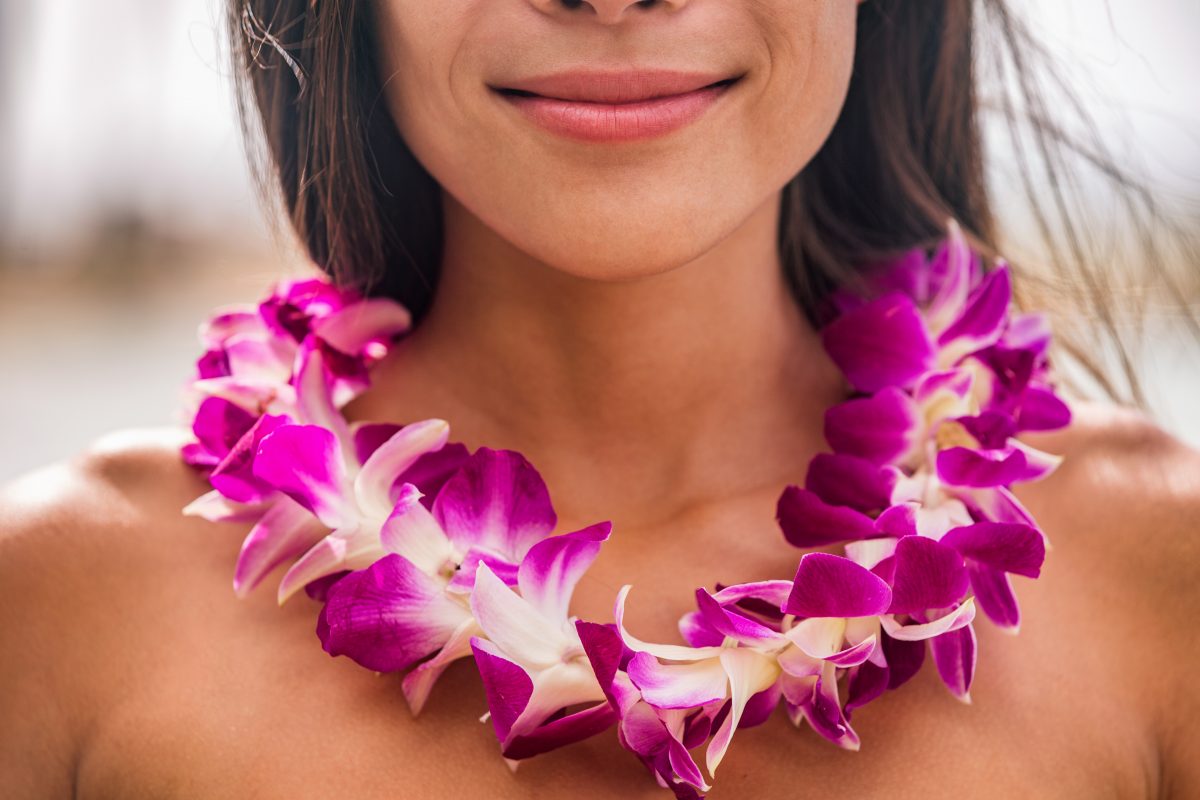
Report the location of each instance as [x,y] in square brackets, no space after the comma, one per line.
[78,540]
[1134,486]
[1124,504]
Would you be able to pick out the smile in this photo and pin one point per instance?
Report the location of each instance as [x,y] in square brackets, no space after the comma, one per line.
[615,107]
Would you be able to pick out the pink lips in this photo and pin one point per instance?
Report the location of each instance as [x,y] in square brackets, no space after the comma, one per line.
[616,106]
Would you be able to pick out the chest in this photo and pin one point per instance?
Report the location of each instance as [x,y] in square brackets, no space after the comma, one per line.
[235,698]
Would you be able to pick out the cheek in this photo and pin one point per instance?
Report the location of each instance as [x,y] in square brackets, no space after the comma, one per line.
[811,56]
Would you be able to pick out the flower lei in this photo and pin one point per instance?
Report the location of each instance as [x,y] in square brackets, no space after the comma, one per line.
[423,553]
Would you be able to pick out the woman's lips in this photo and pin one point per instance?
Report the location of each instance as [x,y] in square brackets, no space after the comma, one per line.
[616,122]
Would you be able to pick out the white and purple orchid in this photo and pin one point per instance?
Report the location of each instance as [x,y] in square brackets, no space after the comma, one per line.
[422,553]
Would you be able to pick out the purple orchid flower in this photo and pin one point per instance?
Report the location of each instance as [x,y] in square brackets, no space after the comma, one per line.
[530,654]
[415,600]
[929,317]
[254,353]
[659,737]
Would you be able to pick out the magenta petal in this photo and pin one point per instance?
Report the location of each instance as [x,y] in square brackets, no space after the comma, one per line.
[928,574]
[760,706]
[1004,546]
[562,731]
[432,470]
[982,321]
[867,682]
[898,520]
[389,615]
[678,685]
[235,477]
[373,487]
[994,594]
[305,462]
[283,533]
[550,570]
[1042,410]
[352,328]
[219,424]
[965,466]
[883,343]
[843,480]
[603,646]
[954,654]
[464,577]
[369,436]
[881,428]
[508,687]
[904,659]
[991,429]
[696,631]
[832,586]
[496,500]
[728,623]
[808,521]
[819,705]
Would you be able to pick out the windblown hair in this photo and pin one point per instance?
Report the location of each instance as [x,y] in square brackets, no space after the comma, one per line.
[906,154]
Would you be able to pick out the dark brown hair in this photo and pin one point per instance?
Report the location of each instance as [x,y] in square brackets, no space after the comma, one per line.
[906,153]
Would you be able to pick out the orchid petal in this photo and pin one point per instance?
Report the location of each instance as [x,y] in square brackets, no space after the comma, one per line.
[507,685]
[352,548]
[728,623]
[982,321]
[750,672]
[774,593]
[843,480]
[389,616]
[314,398]
[832,586]
[513,624]
[1042,410]
[496,500]
[928,574]
[418,683]
[964,466]
[671,652]
[882,428]
[216,507]
[234,476]
[284,532]
[352,328]
[411,531]
[954,654]
[550,570]
[678,685]
[883,343]
[305,462]
[464,576]
[373,485]
[1000,545]
[808,521]
[952,620]
[994,593]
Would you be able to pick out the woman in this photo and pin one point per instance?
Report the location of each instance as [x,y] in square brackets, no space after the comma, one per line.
[630,298]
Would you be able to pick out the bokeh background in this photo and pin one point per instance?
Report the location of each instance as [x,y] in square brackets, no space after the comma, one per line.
[127,211]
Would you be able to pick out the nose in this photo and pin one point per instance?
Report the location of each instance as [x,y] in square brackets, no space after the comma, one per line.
[608,12]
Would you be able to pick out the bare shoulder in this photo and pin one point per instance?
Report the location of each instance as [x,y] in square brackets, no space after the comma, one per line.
[1129,486]
[79,541]
[1125,505]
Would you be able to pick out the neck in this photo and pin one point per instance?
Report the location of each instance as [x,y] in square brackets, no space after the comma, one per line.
[653,393]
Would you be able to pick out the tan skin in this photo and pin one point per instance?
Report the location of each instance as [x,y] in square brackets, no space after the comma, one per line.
[660,378]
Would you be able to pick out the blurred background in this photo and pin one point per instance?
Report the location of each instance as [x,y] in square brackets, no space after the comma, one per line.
[127,211]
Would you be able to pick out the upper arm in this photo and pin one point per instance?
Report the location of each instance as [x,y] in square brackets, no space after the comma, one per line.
[64,532]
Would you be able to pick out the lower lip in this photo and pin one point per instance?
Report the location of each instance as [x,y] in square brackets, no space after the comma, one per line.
[621,122]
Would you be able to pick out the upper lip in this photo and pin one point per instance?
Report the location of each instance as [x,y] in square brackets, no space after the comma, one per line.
[616,86]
